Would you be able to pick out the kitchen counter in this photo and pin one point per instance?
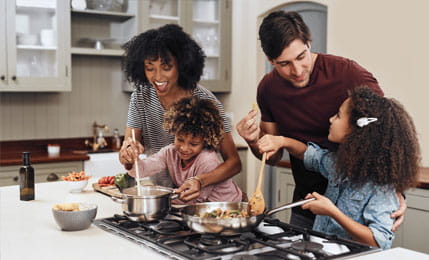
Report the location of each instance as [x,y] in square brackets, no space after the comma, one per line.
[28,229]
[42,157]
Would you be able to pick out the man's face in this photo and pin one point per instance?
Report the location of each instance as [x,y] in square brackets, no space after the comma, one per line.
[295,63]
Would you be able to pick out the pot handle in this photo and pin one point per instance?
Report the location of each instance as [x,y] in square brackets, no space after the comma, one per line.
[118,200]
[174,196]
[288,206]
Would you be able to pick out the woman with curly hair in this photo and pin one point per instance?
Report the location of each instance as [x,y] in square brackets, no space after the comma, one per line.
[165,65]
[198,130]
[378,155]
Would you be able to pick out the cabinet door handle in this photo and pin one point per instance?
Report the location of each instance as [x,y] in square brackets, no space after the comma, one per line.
[2,77]
[15,179]
[13,77]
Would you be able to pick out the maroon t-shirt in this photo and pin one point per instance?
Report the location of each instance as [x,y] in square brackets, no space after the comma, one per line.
[303,112]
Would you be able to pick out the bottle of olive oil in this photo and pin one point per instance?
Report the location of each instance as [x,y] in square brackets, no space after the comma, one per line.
[26,178]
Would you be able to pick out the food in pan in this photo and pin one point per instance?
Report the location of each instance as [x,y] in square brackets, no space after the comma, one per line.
[228,213]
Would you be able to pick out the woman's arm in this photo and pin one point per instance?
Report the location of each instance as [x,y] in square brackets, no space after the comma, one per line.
[323,206]
[230,167]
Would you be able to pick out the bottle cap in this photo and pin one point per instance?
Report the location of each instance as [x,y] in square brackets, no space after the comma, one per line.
[26,158]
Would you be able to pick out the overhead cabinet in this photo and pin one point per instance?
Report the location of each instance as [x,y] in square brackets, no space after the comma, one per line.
[34,46]
[209,23]
[101,29]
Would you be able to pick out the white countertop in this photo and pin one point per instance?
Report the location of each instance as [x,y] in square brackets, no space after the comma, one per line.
[28,230]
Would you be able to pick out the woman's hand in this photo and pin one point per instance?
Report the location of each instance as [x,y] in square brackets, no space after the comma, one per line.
[190,189]
[321,206]
[270,144]
[400,213]
[130,150]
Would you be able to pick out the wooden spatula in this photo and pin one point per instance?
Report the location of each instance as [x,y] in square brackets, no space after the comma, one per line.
[256,204]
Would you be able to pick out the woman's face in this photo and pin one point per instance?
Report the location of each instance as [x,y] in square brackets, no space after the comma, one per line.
[340,124]
[188,146]
[162,76]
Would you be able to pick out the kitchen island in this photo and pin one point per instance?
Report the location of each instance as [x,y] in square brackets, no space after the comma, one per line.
[28,229]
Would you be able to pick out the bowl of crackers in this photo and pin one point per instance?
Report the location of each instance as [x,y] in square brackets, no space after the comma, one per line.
[74,216]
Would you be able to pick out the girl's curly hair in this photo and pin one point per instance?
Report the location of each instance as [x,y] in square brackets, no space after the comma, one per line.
[385,152]
[165,42]
[199,117]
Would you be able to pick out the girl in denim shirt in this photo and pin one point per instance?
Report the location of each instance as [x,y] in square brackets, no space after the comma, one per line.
[378,155]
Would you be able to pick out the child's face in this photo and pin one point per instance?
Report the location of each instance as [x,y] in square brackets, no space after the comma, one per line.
[340,124]
[188,146]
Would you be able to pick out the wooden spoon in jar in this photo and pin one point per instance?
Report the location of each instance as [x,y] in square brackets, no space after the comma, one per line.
[256,204]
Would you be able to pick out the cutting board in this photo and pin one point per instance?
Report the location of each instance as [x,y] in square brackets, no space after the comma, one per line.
[107,190]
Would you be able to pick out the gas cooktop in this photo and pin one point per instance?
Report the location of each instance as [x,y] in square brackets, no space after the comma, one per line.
[272,239]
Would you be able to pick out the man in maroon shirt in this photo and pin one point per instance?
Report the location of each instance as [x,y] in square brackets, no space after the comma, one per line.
[297,98]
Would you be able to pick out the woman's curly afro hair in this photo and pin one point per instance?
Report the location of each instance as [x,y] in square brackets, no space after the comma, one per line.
[165,42]
[385,152]
[199,117]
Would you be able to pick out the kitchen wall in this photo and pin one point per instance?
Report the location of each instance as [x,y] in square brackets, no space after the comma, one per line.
[96,95]
[387,37]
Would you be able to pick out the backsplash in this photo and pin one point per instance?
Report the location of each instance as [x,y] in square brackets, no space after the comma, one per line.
[96,96]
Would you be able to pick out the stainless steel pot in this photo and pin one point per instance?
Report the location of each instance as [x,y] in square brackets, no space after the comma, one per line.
[191,213]
[153,203]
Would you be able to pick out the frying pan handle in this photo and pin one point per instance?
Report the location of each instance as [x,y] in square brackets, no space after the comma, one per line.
[288,206]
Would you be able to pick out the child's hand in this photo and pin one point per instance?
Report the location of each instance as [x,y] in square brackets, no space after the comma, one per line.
[321,206]
[270,144]
[189,190]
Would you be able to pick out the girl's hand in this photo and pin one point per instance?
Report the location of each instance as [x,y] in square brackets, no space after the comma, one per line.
[321,206]
[270,144]
[190,189]
[130,150]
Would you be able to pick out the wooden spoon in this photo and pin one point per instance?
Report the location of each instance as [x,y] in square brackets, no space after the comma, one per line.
[256,204]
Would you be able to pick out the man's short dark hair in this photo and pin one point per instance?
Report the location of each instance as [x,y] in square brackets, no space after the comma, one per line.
[279,29]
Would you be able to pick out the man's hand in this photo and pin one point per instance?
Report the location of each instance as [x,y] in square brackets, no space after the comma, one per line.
[270,144]
[400,213]
[129,151]
[321,206]
[190,189]
[248,127]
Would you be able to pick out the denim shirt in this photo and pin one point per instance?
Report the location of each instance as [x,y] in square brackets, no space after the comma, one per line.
[370,204]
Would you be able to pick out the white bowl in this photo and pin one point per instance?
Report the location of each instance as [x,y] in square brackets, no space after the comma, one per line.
[77,186]
[75,220]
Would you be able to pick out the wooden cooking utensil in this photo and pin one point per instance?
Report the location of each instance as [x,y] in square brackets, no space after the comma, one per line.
[137,167]
[256,204]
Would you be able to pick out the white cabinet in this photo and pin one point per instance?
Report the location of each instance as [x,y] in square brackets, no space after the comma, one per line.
[240,178]
[283,187]
[412,233]
[9,175]
[34,46]
[101,30]
[209,23]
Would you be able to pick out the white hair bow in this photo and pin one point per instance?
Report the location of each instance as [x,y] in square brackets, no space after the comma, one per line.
[363,121]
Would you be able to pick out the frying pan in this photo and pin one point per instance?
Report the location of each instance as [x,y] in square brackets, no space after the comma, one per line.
[191,213]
